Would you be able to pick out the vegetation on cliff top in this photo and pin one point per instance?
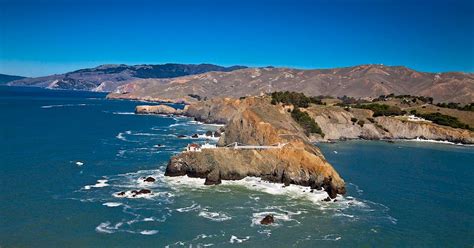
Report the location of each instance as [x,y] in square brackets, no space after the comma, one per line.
[306,122]
[381,109]
[453,105]
[444,120]
[298,100]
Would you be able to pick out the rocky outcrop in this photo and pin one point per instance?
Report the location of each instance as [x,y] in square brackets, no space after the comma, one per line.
[157,109]
[257,122]
[267,220]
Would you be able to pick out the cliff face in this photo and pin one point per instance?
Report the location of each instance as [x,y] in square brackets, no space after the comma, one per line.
[337,123]
[409,130]
[256,122]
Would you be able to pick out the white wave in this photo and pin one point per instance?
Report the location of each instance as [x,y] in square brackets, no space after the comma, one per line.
[149,232]
[235,239]
[418,139]
[190,208]
[123,113]
[131,195]
[112,204]
[292,191]
[79,163]
[107,227]
[331,237]
[178,124]
[144,134]
[64,105]
[214,216]
[100,184]
[121,137]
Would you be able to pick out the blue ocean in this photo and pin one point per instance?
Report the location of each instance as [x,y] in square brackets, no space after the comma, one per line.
[65,155]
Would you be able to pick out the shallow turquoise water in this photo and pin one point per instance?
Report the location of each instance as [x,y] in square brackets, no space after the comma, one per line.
[404,194]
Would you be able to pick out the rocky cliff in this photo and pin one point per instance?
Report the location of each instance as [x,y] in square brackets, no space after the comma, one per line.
[338,123]
[254,121]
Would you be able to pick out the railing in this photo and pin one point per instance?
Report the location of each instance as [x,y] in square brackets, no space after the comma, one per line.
[237,145]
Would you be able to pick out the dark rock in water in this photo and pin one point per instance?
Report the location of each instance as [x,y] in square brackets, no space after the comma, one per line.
[143,191]
[181,136]
[311,191]
[217,134]
[213,178]
[335,200]
[195,136]
[327,199]
[149,179]
[159,145]
[209,133]
[269,219]
[121,193]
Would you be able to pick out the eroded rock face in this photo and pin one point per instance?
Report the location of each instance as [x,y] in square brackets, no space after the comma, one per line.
[336,124]
[157,109]
[257,122]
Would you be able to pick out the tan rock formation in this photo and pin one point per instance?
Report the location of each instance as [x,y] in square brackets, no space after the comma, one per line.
[157,109]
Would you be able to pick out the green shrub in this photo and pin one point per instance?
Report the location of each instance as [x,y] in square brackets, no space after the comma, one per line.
[297,99]
[306,122]
[381,109]
[452,105]
[445,120]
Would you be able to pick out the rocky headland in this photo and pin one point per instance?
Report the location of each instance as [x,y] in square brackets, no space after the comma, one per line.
[282,150]
[255,122]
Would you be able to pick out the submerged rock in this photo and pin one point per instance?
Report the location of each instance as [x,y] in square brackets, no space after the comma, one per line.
[209,133]
[269,219]
[195,136]
[149,179]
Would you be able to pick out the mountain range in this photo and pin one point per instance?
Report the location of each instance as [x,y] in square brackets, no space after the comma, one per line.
[190,82]
[108,77]
[4,78]
[356,81]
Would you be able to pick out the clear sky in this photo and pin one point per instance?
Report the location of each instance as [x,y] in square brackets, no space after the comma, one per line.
[55,36]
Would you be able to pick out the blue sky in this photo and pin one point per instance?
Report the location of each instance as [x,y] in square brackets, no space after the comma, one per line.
[55,36]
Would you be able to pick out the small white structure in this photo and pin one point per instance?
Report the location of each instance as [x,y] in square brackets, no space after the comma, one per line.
[208,146]
[193,148]
[198,147]
[415,118]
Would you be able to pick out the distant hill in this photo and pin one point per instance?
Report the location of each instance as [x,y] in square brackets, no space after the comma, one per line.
[8,78]
[109,77]
[356,81]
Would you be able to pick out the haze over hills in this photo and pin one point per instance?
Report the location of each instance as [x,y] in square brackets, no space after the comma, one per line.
[4,78]
[356,81]
[109,77]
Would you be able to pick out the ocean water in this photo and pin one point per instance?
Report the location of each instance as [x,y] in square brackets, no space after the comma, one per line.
[65,156]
